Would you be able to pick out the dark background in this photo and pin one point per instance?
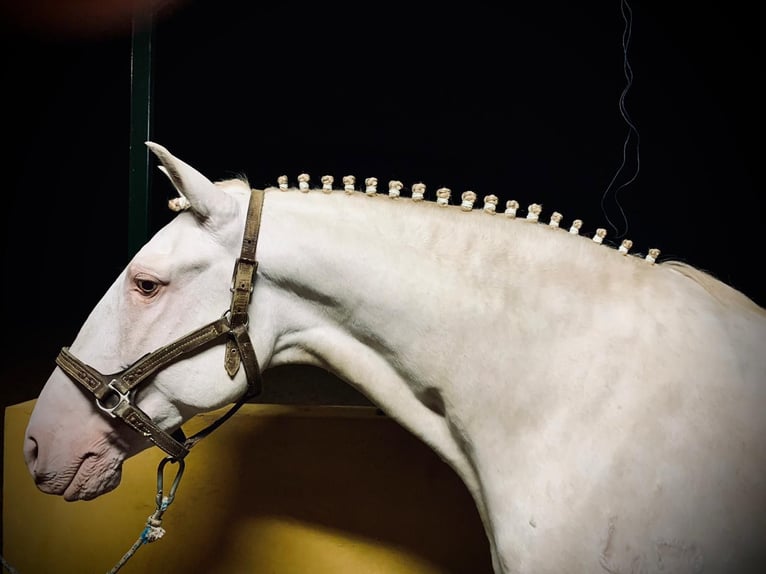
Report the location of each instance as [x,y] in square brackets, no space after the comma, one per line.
[516,99]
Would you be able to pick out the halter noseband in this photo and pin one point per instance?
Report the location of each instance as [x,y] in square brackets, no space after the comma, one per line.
[113,393]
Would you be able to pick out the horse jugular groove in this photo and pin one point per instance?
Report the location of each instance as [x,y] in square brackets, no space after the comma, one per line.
[443,196]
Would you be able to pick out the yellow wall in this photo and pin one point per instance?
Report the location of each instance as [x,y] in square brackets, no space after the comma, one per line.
[275,490]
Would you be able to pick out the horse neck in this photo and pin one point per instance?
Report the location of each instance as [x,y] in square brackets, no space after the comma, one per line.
[397,279]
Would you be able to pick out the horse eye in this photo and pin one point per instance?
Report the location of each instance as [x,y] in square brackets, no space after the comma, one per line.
[146,286]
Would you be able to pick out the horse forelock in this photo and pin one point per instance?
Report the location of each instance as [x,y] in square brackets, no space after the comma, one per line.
[235,185]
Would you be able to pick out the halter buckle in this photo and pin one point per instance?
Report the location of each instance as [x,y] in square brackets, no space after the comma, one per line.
[249,285]
[122,398]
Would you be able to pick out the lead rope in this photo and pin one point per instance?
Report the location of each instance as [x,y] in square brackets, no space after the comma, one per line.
[153,529]
[7,566]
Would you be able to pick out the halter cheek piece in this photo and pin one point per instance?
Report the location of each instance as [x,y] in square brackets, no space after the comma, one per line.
[113,393]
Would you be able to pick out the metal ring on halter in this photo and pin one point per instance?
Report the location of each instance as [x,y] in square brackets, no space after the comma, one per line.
[123,398]
[227,315]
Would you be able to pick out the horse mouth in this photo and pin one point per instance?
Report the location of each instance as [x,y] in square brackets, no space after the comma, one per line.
[94,476]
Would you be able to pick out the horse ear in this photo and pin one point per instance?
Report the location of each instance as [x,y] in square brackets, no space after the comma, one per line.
[205,198]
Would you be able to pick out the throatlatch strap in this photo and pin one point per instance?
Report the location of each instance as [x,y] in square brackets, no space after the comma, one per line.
[239,347]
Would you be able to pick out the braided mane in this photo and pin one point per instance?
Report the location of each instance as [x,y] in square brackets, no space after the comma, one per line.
[533,214]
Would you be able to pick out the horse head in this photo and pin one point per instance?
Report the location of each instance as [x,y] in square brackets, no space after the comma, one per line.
[177,283]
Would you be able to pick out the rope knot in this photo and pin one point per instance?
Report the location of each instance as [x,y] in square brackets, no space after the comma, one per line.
[152,533]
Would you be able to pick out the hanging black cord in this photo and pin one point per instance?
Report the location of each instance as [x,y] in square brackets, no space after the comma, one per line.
[627,16]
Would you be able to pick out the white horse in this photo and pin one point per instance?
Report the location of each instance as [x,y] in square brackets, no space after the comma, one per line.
[605,412]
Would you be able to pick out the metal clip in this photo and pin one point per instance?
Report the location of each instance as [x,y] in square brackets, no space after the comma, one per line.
[164,501]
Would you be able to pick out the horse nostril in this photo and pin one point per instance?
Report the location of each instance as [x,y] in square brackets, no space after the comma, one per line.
[30,453]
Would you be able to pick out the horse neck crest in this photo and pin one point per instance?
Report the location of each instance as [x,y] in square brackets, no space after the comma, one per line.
[443,196]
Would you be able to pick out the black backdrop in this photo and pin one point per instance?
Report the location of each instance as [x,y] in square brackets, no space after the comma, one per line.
[518,100]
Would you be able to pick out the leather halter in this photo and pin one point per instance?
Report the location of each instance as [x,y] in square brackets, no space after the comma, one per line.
[113,393]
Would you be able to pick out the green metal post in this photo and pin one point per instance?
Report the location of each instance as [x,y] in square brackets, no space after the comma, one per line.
[140,128]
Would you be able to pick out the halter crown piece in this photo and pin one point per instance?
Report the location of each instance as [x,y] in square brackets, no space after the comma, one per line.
[113,393]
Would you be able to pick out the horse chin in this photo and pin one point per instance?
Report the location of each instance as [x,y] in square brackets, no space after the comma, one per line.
[96,475]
